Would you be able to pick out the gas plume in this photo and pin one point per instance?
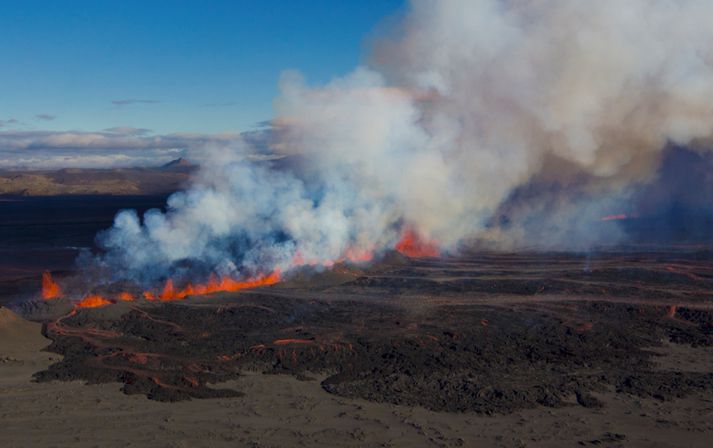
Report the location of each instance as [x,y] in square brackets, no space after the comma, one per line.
[514,122]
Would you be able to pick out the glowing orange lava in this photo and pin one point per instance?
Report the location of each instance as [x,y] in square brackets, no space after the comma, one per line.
[126,297]
[224,284]
[50,289]
[292,341]
[412,245]
[356,255]
[169,293]
[93,301]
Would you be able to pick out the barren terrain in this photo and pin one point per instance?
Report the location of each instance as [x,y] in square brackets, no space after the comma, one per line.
[604,348]
[533,349]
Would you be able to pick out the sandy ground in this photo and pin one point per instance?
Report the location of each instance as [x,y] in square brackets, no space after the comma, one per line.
[280,411]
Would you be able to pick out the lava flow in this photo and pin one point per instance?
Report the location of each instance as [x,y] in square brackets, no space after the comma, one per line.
[93,301]
[126,297]
[225,284]
[50,289]
[412,245]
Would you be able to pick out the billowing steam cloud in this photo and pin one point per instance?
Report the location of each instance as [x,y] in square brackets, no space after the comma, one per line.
[547,112]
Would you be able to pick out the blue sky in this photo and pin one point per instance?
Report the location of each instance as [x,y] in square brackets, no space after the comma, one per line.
[195,66]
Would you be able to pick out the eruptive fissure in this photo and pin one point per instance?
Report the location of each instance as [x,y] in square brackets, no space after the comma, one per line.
[93,301]
[170,293]
[225,284]
[411,245]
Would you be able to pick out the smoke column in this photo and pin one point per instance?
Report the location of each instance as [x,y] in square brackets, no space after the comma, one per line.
[463,108]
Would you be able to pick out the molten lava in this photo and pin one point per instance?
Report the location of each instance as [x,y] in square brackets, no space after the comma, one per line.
[169,293]
[126,297]
[356,255]
[225,284]
[413,245]
[50,289]
[351,255]
[291,341]
[93,301]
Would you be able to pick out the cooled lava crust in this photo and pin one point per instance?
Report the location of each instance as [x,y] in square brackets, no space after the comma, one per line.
[487,333]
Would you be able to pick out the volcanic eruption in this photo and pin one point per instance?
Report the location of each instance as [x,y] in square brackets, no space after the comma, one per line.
[468,223]
[462,112]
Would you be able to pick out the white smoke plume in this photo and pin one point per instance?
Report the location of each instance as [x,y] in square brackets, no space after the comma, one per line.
[461,105]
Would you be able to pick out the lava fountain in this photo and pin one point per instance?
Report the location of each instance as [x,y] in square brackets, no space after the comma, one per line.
[93,301]
[50,289]
[413,245]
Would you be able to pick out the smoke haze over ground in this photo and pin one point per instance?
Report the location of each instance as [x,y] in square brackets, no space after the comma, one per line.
[511,123]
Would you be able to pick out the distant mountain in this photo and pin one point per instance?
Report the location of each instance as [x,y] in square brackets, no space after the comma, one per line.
[178,164]
[79,181]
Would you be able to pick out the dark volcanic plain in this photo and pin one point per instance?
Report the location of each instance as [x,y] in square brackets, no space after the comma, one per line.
[476,340]
[489,333]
